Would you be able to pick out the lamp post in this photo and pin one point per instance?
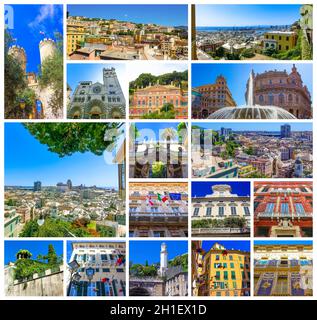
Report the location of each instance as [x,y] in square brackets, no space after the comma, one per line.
[74,274]
[90,272]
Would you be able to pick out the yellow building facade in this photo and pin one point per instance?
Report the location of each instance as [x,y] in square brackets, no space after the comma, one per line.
[75,34]
[280,40]
[224,272]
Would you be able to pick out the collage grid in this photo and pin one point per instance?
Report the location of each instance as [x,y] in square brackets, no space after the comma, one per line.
[149,255]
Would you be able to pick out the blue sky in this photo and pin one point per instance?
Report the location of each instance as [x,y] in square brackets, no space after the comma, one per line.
[237,245]
[279,242]
[153,130]
[69,249]
[35,247]
[29,21]
[167,15]
[77,72]
[26,161]
[200,189]
[237,75]
[246,15]
[149,250]
[259,126]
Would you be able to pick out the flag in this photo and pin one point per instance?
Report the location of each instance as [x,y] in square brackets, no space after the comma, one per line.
[149,200]
[224,252]
[175,196]
[104,280]
[159,197]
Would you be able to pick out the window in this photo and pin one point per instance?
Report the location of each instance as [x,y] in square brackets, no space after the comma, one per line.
[196,211]
[233,275]
[158,234]
[217,275]
[233,211]
[246,211]
[221,211]
[270,208]
[208,211]
[284,209]
[231,265]
[299,209]
[230,257]
[217,257]
[225,275]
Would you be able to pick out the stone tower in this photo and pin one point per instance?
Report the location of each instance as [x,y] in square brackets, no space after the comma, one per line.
[47,48]
[19,54]
[163,260]
[299,168]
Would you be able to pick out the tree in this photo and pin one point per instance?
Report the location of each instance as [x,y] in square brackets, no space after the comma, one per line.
[68,138]
[52,75]
[52,258]
[167,107]
[220,52]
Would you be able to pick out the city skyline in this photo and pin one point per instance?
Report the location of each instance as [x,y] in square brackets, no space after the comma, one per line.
[255,15]
[201,189]
[33,23]
[27,160]
[167,15]
[237,75]
[250,126]
[150,250]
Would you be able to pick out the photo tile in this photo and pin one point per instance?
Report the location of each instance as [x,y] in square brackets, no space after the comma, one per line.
[269,91]
[158,209]
[116,32]
[96,91]
[252,150]
[33,268]
[283,209]
[158,268]
[158,150]
[220,209]
[283,268]
[33,56]
[221,268]
[65,179]
[96,268]
[158,91]
[252,32]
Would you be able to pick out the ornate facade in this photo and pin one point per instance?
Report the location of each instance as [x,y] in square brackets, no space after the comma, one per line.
[212,98]
[219,205]
[158,209]
[287,91]
[105,261]
[97,100]
[283,209]
[222,272]
[152,98]
[283,269]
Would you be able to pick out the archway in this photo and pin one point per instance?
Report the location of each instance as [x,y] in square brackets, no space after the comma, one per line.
[75,113]
[116,113]
[138,291]
[95,109]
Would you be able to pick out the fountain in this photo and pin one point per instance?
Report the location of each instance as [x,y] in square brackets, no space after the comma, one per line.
[250,110]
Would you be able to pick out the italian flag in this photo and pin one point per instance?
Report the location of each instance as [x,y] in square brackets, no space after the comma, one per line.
[162,198]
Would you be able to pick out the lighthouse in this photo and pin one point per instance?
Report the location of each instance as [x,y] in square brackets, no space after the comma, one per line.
[163,260]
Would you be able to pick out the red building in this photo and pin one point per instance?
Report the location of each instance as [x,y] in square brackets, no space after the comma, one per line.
[154,97]
[283,209]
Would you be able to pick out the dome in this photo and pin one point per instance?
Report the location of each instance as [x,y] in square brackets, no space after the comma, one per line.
[252,112]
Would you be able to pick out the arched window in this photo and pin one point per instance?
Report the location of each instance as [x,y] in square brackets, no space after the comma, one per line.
[290,98]
[271,99]
[281,98]
[261,98]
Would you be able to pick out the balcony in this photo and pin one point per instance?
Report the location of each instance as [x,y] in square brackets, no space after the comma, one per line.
[157,216]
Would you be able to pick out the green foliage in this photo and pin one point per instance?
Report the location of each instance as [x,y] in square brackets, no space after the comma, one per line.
[249,151]
[68,138]
[166,112]
[181,260]
[228,222]
[158,168]
[10,202]
[145,79]
[269,52]
[15,86]
[106,231]
[24,254]
[140,270]
[247,53]
[52,73]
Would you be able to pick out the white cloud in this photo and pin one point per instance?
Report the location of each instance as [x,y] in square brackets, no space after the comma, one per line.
[46,12]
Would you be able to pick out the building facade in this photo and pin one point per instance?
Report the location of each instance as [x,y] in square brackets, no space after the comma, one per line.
[101,269]
[223,272]
[284,90]
[98,100]
[213,97]
[219,205]
[283,269]
[280,40]
[153,98]
[158,209]
[283,209]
